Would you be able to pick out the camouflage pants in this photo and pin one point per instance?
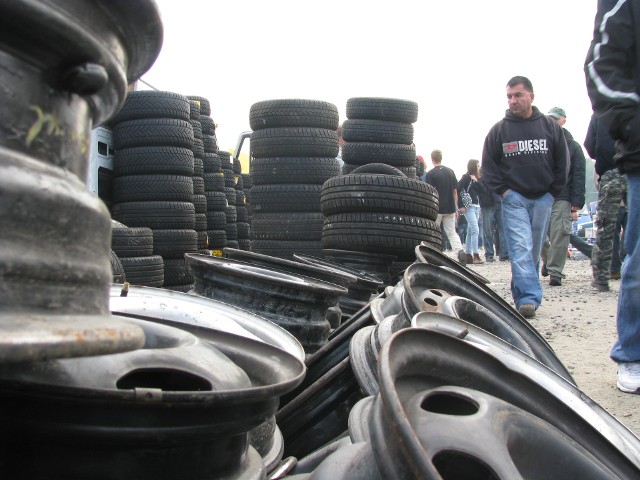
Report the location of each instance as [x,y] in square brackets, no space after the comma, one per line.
[613,189]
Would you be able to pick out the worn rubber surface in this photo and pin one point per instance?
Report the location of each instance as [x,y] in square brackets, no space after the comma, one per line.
[293,170]
[293,113]
[380,108]
[294,142]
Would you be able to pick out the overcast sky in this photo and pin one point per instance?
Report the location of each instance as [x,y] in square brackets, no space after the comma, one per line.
[453,58]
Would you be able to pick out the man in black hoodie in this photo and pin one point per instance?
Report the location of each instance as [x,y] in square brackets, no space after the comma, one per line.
[565,207]
[525,160]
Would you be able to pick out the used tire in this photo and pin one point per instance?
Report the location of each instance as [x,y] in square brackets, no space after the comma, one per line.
[380,108]
[294,142]
[293,170]
[293,113]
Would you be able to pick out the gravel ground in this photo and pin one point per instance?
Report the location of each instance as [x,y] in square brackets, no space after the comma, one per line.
[580,324]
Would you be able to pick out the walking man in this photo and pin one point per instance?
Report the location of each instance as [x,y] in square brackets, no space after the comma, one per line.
[525,160]
[565,207]
[443,179]
[612,189]
[613,83]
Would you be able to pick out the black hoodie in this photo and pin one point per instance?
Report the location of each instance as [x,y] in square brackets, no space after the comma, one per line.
[528,155]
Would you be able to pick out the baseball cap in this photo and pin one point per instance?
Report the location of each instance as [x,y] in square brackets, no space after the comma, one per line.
[557,112]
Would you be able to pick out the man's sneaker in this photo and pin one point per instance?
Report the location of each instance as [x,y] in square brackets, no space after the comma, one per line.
[615,275]
[555,281]
[527,310]
[462,257]
[601,287]
[488,258]
[543,271]
[629,377]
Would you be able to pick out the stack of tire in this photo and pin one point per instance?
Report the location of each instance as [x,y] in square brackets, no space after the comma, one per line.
[247,184]
[242,212]
[230,212]
[379,130]
[133,247]
[378,209]
[294,145]
[213,181]
[153,177]
[199,200]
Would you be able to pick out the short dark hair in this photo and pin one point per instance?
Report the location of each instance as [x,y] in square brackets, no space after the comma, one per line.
[519,79]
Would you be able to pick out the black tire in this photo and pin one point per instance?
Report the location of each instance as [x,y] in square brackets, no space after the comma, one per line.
[203,239]
[176,272]
[209,143]
[141,188]
[294,142]
[198,185]
[242,213]
[197,148]
[132,242]
[201,222]
[213,182]
[230,244]
[225,160]
[244,244]
[197,129]
[155,215]
[208,125]
[293,112]
[216,220]
[244,230]
[287,248]
[381,168]
[293,170]
[143,104]
[394,154]
[377,131]
[216,201]
[247,178]
[232,231]
[237,166]
[230,193]
[194,110]
[229,178]
[153,132]
[217,238]
[117,270]
[153,160]
[204,103]
[212,163]
[371,192]
[241,200]
[287,226]
[199,203]
[286,198]
[198,167]
[147,271]
[174,243]
[380,108]
[394,234]
[231,213]
[239,182]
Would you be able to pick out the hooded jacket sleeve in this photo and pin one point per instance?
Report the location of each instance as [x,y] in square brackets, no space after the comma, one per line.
[560,163]
[578,179]
[491,155]
[611,68]
[590,139]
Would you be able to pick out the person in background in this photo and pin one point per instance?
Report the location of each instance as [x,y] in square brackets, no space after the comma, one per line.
[421,169]
[469,183]
[565,207]
[443,179]
[525,159]
[612,190]
[491,214]
[617,252]
[613,84]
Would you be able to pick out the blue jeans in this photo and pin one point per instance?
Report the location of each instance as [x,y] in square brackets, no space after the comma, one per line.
[525,222]
[473,229]
[627,347]
[489,215]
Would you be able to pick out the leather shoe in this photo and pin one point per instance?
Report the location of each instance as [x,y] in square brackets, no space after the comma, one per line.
[555,281]
[543,271]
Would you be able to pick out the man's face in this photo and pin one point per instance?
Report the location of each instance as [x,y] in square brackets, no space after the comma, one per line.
[520,101]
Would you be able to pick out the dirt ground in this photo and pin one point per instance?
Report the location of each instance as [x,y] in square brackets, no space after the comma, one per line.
[580,324]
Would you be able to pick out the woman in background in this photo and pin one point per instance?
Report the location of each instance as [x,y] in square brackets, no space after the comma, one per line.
[469,183]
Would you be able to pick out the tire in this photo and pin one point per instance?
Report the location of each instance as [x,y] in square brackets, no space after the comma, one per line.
[394,154]
[294,142]
[287,248]
[217,239]
[198,167]
[242,213]
[145,104]
[117,270]
[132,242]
[244,244]
[197,147]
[194,110]
[216,201]
[201,222]
[293,113]
[232,231]
[381,168]
[205,105]
[229,178]
[394,234]
[377,131]
[286,198]
[225,160]
[231,214]
[216,220]
[197,129]
[230,193]
[153,132]
[203,239]
[213,182]
[155,215]
[153,160]
[199,203]
[371,192]
[198,185]
[244,230]
[208,125]
[174,243]
[287,226]
[209,143]
[146,271]
[141,188]
[293,170]
[176,272]
[211,163]
[380,108]
[185,288]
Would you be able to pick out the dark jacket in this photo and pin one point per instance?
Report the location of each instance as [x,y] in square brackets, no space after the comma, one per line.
[600,146]
[528,155]
[466,183]
[574,190]
[612,69]
[487,197]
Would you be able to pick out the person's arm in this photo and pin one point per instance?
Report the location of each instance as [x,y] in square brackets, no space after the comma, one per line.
[578,179]
[490,163]
[560,162]
[590,139]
